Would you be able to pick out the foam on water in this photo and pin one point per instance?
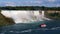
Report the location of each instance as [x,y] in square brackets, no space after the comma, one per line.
[31,30]
[22,16]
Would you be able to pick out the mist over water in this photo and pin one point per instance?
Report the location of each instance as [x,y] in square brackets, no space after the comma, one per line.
[22,16]
[28,23]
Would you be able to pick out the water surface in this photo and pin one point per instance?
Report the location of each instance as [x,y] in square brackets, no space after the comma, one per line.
[53,27]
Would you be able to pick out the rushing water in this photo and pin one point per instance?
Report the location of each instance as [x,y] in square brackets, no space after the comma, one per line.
[33,27]
[24,16]
[53,27]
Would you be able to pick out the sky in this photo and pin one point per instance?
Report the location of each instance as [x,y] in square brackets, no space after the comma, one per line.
[47,3]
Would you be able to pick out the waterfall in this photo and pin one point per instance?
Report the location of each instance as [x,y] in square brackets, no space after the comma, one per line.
[23,16]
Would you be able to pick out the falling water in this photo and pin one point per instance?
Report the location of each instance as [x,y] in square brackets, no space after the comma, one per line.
[23,16]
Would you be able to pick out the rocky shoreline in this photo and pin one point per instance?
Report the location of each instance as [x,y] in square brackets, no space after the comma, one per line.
[5,21]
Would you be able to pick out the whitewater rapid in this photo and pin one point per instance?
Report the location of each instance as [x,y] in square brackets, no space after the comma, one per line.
[22,16]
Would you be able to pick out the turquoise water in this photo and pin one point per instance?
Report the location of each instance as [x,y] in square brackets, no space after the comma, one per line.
[53,27]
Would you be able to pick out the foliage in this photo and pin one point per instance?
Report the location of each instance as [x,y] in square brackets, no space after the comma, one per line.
[29,8]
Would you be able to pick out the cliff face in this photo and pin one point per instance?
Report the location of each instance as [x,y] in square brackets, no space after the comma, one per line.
[52,14]
[5,21]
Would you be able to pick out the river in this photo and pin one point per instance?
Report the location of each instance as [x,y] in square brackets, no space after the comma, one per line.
[53,27]
[32,27]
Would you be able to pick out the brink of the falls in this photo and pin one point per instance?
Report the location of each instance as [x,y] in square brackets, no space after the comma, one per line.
[22,16]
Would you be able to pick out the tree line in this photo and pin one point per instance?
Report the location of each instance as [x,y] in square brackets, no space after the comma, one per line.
[29,8]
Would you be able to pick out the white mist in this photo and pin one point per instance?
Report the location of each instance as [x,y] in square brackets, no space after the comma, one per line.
[23,16]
